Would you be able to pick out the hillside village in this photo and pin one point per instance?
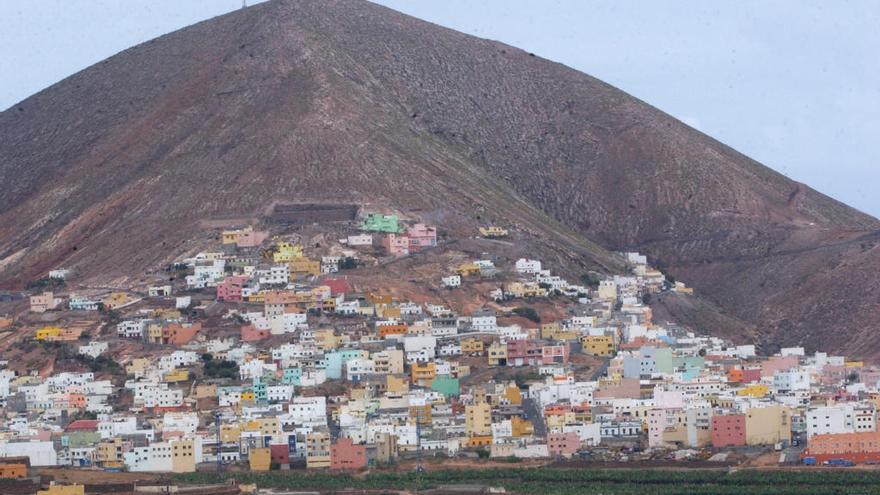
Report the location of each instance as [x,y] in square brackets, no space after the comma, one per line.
[268,351]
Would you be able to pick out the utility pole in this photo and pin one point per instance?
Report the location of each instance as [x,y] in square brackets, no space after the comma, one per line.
[217,421]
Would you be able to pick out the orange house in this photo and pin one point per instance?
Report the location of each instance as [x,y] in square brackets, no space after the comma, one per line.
[479,441]
[76,401]
[857,447]
[395,329]
[14,468]
[735,375]
[178,334]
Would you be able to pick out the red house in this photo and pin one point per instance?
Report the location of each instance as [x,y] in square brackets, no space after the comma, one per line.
[230,288]
[279,454]
[344,454]
[337,285]
[728,430]
[88,425]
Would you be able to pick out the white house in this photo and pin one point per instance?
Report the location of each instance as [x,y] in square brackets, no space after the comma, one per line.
[451,281]
[839,418]
[484,323]
[159,291]
[93,349]
[524,265]
[131,329]
[360,240]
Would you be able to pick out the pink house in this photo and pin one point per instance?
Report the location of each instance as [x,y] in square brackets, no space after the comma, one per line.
[777,363]
[625,388]
[251,238]
[230,288]
[563,444]
[421,236]
[396,245]
[555,354]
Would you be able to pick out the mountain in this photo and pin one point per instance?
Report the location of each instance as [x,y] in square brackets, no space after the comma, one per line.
[113,168]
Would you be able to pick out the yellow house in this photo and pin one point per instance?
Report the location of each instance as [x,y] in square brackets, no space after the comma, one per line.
[421,414]
[257,297]
[423,374]
[768,425]
[560,420]
[137,366]
[512,395]
[396,385]
[247,395]
[598,345]
[317,450]
[497,354]
[756,390]
[304,266]
[48,333]
[528,289]
[478,419]
[260,459]
[154,333]
[493,231]
[286,251]
[472,346]
[55,489]
[176,375]
[326,340]
[554,331]
[266,426]
[521,427]
[468,269]
[109,454]
[230,433]
[183,456]
[388,312]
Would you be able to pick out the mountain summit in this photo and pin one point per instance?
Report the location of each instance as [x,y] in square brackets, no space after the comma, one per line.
[347,101]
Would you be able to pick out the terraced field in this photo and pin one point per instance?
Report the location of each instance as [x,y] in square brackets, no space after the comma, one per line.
[557,481]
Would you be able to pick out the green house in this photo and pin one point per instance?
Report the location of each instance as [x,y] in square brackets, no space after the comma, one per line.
[376,222]
[446,385]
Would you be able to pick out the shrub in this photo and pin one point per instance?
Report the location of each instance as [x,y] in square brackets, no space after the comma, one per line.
[528,313]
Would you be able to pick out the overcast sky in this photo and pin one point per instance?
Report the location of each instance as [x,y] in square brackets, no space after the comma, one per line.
[793,84]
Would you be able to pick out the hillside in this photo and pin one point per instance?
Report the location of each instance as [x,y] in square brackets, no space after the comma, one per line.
[111,170]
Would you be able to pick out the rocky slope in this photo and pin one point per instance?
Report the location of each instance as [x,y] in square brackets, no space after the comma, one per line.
[112,168]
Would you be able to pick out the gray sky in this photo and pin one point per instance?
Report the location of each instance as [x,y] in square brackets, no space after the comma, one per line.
[794,84]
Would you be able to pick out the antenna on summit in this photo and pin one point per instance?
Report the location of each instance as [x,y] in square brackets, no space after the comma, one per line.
[244,4]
